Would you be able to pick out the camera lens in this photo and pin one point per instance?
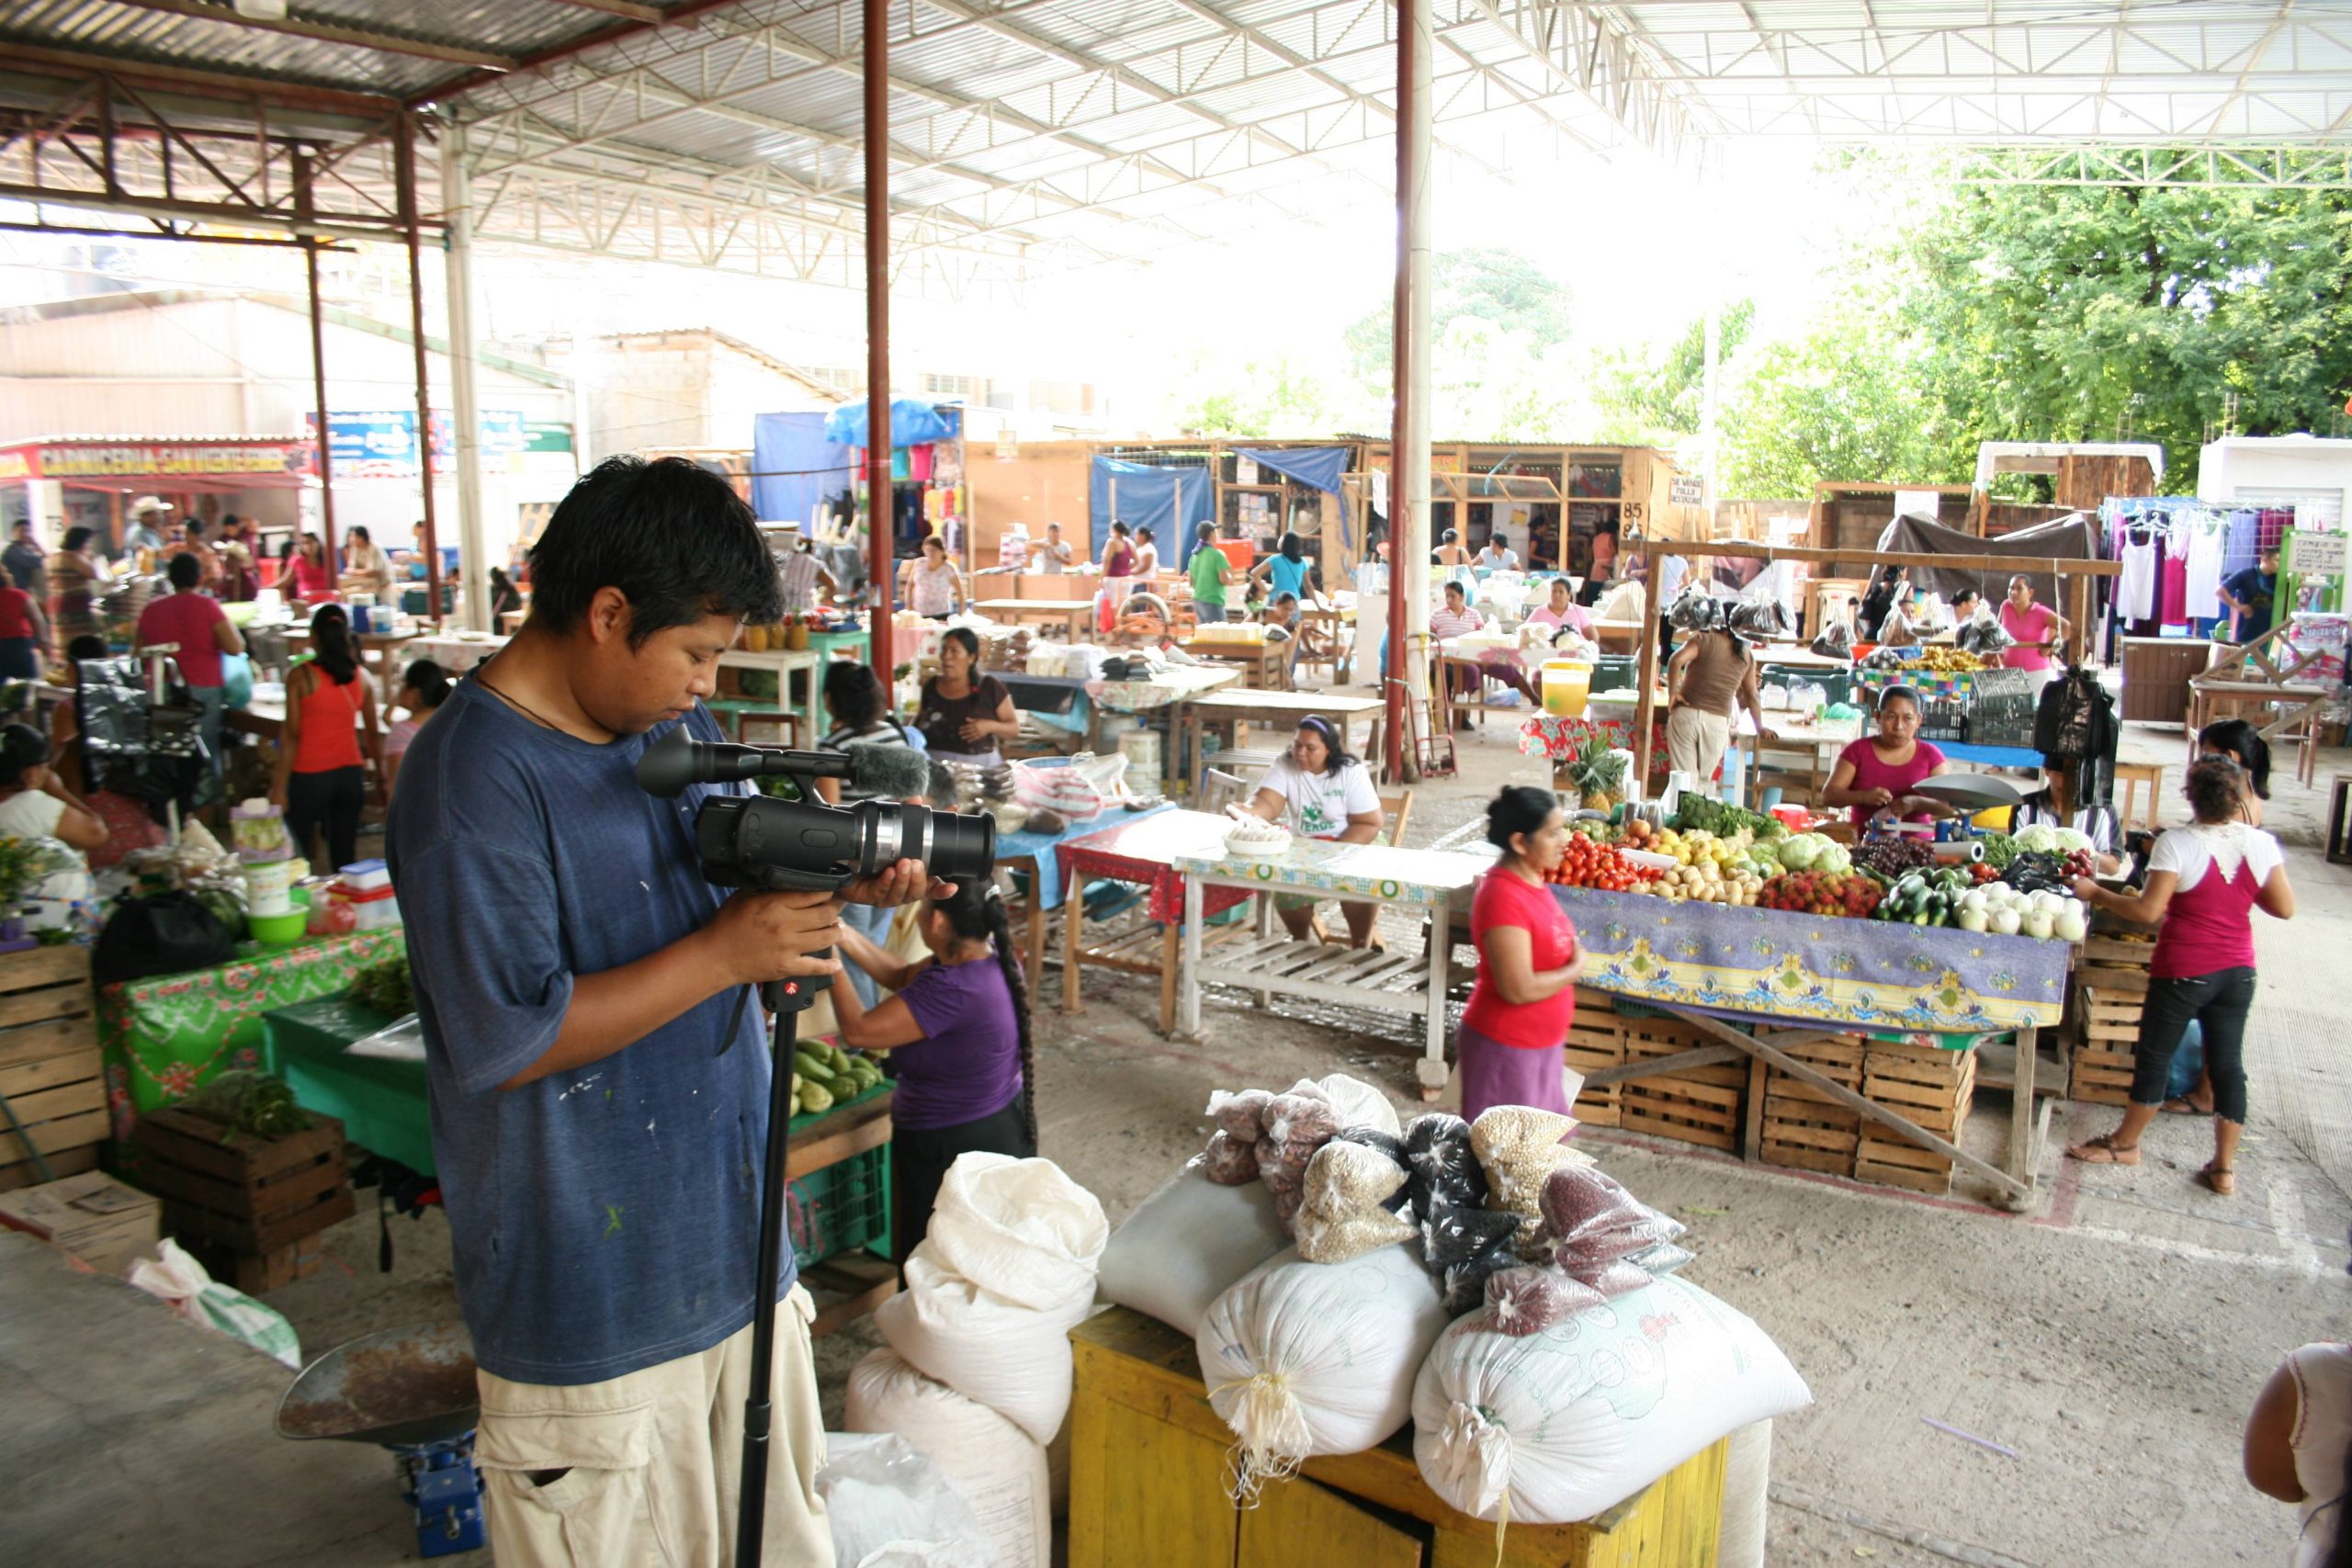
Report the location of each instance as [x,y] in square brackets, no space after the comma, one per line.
[953,848]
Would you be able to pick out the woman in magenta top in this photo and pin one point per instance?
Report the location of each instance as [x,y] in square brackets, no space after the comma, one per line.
[2032,628]
[1877,775]
[2204,882]
[1509,1047]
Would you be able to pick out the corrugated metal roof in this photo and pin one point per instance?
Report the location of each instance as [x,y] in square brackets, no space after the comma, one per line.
[1018,124]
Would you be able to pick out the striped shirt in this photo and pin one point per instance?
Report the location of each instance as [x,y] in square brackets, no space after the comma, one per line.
[1447,622]
[799,575]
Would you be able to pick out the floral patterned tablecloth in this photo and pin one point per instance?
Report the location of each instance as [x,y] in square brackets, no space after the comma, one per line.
[1428,878]
[165,1036]
[1824,969]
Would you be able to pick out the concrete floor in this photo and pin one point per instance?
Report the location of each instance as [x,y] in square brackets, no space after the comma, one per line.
[2113,1339]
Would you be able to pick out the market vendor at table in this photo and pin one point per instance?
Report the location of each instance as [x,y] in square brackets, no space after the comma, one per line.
[1456,618]
[1509,1048]
[1875,775]
[1319,791]
[963,713]
[598,1089]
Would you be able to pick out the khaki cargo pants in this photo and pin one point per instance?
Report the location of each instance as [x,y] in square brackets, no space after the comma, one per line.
[643,1469]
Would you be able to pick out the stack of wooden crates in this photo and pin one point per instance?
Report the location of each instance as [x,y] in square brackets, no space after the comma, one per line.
[49,1064]
[2111,991]
[1802,1128]
[250,1209]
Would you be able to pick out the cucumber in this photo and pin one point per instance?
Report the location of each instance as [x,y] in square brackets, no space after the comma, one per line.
[816,1097]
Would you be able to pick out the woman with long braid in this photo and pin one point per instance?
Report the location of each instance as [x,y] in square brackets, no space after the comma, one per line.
[957,1032]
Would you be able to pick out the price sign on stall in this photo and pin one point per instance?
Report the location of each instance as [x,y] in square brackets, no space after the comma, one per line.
[2316,555]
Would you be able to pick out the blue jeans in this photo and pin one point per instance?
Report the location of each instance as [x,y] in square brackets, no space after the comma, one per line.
[1202,612]
[872,923]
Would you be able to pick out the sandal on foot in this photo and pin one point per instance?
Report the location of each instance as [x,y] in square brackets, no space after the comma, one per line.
[2181,1105]
[2105,1150]
[2221,1179]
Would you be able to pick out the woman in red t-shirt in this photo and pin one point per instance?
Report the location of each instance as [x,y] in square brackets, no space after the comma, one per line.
[1509,1047]
[24,634]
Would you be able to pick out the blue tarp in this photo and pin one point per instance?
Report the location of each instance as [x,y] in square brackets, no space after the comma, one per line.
[1319,468]
[914,422]
[1171,502]
[794,467]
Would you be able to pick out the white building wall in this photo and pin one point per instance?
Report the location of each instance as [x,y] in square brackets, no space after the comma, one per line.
[2248,468]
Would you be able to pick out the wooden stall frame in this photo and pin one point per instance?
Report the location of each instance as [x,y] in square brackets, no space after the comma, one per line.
[1748,550]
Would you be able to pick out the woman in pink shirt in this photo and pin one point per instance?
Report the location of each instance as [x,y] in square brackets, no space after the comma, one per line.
[1877,775]
[2032,628]
[1562,611]
[2204,882]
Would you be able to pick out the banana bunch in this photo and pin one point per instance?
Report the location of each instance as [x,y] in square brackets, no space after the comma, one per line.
[1944,660]
[827,1075]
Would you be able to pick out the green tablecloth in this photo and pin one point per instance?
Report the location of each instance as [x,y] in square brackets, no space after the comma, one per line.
[165,1036]
[380,1103]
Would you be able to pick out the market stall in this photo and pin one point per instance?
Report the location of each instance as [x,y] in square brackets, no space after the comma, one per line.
[1142,850]
[1225,711]
[1035,858]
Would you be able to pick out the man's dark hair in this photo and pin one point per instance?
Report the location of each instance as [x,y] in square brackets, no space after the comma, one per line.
[186,571]
[672,536]
[193,527]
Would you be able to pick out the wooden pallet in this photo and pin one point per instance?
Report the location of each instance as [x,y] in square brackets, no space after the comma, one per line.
[257,1197]
[49,1064]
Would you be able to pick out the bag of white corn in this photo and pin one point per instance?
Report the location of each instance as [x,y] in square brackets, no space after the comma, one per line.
[1519,1146]
[1185,1245]
[1012,1358]
[1019,1228]
[1341,1215]
[1559,1425]
[1305,1359]
[1000,1473]
[1358,1103]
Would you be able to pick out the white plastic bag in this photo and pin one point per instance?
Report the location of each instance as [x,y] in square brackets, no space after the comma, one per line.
[1002,1473]
[1186,1245]
[1019,1228]
[197,1297]
[1013,1359]
[1574,1419]
[1305,1359]
[1356,1103]
[887,1504]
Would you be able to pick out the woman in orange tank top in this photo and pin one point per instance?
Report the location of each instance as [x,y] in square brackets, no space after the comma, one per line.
[321,776]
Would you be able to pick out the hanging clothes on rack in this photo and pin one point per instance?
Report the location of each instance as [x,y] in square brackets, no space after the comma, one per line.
[2206,544]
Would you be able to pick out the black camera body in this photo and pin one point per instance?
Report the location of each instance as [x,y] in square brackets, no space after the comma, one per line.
[757,841]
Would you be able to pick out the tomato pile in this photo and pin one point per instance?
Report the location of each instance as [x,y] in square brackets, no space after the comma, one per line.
[1855,895]
[1588,864]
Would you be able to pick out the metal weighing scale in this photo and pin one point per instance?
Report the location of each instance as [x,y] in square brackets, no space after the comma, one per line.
[413,1391]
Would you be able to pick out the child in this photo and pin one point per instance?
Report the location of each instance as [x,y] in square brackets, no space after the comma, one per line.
[959,1034]
[424,685]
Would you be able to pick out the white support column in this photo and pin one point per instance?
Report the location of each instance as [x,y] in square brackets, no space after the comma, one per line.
[1410,551]
[465,410]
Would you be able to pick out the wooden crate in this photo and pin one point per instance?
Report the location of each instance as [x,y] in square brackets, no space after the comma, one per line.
[1804,1128]
[2107,1028]
[1933,1087]
[256,1197]
[1596,1040]
[49,1064]
[1697,1105]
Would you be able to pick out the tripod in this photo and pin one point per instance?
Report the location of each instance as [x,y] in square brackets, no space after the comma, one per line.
[786,999]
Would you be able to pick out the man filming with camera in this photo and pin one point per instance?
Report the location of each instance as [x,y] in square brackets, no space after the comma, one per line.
[599,1091]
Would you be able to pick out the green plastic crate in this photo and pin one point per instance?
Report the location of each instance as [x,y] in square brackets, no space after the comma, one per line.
[841,1208]
[380,1103]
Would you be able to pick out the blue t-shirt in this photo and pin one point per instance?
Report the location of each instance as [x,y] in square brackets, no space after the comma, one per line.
[2256,589]
[1288,576]
[603,1219]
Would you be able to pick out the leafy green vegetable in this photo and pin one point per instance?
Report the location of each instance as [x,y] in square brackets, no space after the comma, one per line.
[251,1104]
[385,989]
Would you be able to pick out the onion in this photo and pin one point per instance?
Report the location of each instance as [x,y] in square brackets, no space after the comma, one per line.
[2004,922]
[2037,925]
[2068,926]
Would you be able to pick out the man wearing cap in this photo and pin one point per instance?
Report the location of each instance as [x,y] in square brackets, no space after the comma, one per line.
[1711,671]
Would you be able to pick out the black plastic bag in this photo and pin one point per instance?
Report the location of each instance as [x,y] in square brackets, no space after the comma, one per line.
[165,934]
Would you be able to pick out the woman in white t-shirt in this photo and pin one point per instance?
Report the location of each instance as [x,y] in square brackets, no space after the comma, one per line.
[33,803]
[2298,1442]
[1317,791]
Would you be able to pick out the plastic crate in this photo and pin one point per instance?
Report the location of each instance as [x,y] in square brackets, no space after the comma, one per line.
[841,1209]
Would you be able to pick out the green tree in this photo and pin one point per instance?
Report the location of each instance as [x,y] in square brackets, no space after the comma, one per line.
[1274,396]
[2090,314]
[1843,401]
[1656,395]
[1498,285]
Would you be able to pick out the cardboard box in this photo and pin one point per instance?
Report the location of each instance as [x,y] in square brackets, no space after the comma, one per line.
[99,1220]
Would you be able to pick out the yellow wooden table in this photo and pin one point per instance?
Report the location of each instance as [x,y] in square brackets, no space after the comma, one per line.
[1071,615]
[1264,666]
[1148,1487]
